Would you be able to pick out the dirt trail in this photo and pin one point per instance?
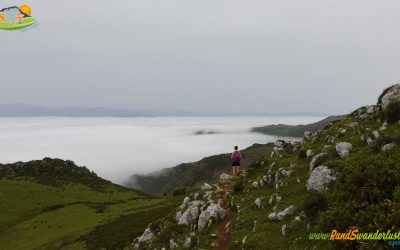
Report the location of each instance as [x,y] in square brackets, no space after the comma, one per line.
[223,234]
[222,231]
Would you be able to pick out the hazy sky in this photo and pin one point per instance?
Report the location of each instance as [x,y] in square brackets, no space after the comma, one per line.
[203,56]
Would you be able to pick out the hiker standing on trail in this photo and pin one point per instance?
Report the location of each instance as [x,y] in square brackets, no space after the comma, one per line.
[235,157]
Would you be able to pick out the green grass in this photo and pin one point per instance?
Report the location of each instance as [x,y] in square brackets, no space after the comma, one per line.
[42,216]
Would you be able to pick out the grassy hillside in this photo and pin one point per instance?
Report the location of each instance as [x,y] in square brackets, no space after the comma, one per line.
[53,204]
[359,189]
[191,175]
[296,130]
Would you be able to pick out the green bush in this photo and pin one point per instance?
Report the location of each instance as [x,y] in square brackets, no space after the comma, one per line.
[314,204]
[302,154]
[238,187]
[392,112]
[179,191]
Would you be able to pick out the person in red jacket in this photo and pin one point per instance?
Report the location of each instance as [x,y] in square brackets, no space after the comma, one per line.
[235,157]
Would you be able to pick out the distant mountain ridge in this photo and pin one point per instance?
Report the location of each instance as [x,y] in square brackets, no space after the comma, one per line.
[296,130]
[25,110]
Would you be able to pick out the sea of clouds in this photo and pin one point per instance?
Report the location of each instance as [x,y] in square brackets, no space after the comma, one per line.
[116,148]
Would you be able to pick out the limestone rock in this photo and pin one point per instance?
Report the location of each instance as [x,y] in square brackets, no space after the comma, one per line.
[191,214]
[388,147]
[392,95]
[310,153]
[225,178]
[206,186]
[148,235]
[212,211]
[319,177]
[314,160]
[281,215]
[258,202]
[343,149]
[172,244]
[188,242]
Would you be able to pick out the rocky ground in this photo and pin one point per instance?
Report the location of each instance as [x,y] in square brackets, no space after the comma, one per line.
[342,177]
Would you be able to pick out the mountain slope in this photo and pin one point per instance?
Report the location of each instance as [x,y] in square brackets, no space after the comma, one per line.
[192,175]
[53,203]
[344,177]
[296,130]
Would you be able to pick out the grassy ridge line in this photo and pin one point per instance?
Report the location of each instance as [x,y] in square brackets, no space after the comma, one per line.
[120,232]
[295,130]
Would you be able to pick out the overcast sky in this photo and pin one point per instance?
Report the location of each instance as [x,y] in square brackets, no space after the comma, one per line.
[204,56]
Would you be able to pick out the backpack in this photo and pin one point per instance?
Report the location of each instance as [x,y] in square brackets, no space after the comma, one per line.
[236,156]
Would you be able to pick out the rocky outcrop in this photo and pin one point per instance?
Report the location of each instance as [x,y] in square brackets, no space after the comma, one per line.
[319,177]
[225,178]
[315,158]
[212,211]
[189,217]
[148,235]
[343,149]
[388,147]
[390,94]
[281,215]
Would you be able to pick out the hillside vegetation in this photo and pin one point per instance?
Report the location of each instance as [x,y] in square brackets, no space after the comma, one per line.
[344,177]
[54,204]
[189,176]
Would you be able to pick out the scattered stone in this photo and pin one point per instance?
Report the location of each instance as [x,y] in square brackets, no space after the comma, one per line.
[319,177]
[206,186]
[178,216]
[384,126]
[307,135]
[275,197]
[343,149]
[254,226]
[284,230]
[148,235]
[315,158]
[280,215]
[352,125]
[212,211]
[376,134]
[369,140]
[191,214]
[255,184]
[185,202]
[225,178]
[388,147]
[286,172]
[298,180]
[258,202]
[393,94]
[188,242]
[310,153]
[342,131]
[172,244]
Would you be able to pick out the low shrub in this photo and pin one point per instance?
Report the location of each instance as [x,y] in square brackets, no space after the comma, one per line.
[392,112]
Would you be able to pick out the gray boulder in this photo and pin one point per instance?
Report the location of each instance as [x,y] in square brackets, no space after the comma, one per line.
[393,94]
[225,178]
[319,177]
[315,158]
[191,214]
[281,215]
[388,147]
[148,235]
[212,211]
[343,149]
